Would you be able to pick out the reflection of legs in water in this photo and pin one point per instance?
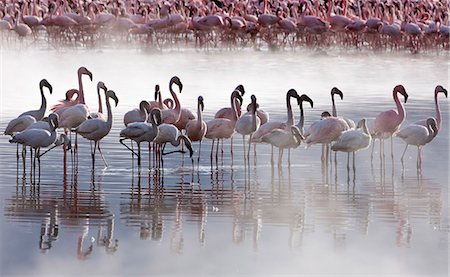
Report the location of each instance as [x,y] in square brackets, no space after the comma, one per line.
[403,155]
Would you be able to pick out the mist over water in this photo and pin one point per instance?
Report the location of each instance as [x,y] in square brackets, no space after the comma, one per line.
[226,217]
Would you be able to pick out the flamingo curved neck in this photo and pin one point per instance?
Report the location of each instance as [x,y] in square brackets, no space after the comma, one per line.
[334,112]
[302,117]
[100,106]
[290,115]
[43,104]
[400,108]
[80,90]
[234,107]
[108,107]
[438,111]
[199,115]
[160,102]
[177,107]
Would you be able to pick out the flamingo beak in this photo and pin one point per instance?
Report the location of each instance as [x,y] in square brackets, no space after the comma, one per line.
[445,92]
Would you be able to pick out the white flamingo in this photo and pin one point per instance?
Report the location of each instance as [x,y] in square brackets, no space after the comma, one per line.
[418,135]
[300,101]
[142,131]
[353,140]
[247,124]
[38,138]
[39,114]
[168,133]
[284,139]
[137,115]
[96,128]
[438,117]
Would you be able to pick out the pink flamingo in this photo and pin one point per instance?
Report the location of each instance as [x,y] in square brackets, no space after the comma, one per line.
[222,128]
[388,122]
[137,115]
[173,115]
[196,128]
[68,102]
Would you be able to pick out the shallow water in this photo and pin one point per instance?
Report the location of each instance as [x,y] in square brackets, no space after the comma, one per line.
[228,218]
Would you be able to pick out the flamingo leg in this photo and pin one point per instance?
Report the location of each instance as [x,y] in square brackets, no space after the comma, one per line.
[101,154]
[132,151]
[404,152]
[139,154]
[217,150]
[249,146]
[271,156]
[348,161]
[243,144]
[231,147]
[392,148]
[212,149]
[322,158]
[354,162]
[373,148]
[199,152]
[289,156]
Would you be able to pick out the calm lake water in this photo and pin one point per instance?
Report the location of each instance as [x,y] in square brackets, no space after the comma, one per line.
[227,218]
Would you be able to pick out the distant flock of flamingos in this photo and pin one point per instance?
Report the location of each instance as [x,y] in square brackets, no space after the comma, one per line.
[160,122]
[377,24]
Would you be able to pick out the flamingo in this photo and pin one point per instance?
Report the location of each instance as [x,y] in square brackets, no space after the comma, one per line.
[284,139]
[137,115]
[388,122]
[100,85]
[325,131]
[271,125]
[353,140]
[38,138]
[173,115]
[17,125]
[247,124]
[96,128]
[21,29]
[39,114]
[228,112]
[63,104]
[196,128]
[142,131]
[418,135]
[168,133]
[223,128]
[438,89]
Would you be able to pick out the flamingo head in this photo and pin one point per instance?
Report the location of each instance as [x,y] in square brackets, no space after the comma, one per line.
[112,95]
[325,114]
[250,106]
[237,94]
[296,132]
[144,106]
[70,93]
[254,104]
[292,93]
[188,144]
[440,88]
[200,102]
[83,70]
[304,97]
[53,120]
[432,124]
[101,85]
[401,89]
[157,91]
[337,91]
[45,83]
[176,80]
[241,89]
[361,123]
[156,116]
